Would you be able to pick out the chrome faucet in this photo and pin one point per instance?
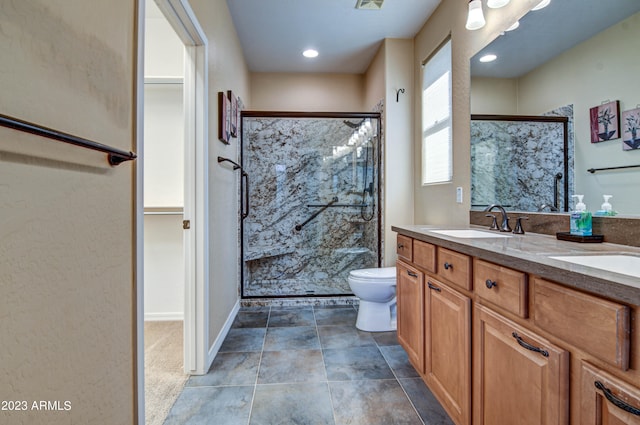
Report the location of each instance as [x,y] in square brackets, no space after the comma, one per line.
[504,227]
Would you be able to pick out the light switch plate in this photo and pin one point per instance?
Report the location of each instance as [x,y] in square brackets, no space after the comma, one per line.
[459,195]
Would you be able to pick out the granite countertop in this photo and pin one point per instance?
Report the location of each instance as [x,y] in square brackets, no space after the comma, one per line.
[531,253]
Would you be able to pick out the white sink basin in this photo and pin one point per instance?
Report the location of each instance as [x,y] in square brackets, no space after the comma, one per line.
[470,233]
[617,263]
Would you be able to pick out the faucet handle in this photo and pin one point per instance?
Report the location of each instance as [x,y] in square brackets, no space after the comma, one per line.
[519,230]
[494,223]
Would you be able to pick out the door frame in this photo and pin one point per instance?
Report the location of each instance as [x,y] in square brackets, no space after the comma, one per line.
[196,201]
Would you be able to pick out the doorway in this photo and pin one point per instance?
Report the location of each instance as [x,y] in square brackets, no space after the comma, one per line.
[164,200]
[171,215]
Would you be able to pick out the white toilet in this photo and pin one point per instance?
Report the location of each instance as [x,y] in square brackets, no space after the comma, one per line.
[376,289]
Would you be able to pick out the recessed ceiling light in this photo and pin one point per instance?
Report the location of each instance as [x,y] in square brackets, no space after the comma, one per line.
[514,26]
[542,4]
[488,58]
[310,53]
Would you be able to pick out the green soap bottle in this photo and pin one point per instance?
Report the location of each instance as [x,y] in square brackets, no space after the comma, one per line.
[580,219]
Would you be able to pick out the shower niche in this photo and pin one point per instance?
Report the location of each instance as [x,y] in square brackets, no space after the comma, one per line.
[314,202]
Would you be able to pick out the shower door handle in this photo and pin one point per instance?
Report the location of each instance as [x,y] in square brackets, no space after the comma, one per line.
[245,188]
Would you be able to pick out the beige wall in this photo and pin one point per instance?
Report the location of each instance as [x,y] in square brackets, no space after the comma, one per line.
[436,204]
[227,71]
[307,92]
[494,96]
[398,136]
[66,256]
[374,80]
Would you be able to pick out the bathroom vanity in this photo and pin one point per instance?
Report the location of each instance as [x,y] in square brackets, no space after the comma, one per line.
[503,333]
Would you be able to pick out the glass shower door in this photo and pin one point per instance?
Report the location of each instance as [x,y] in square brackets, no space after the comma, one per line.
[315,203]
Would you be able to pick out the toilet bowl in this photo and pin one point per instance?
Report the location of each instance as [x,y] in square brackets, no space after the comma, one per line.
[376,289]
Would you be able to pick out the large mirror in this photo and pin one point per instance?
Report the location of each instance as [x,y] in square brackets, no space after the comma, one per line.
[564,60]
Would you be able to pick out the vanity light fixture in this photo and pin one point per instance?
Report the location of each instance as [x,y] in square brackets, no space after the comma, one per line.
[497,4]
[475,19]
[310,53]
[541,5]
[488,58]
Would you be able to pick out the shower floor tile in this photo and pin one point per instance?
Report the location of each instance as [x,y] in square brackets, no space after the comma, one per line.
[229,369]
[336,316]
[251,319]
[279,373]
[359,363]
[291,317]
[282,367]
[344,337]
[293,338]
[373,402]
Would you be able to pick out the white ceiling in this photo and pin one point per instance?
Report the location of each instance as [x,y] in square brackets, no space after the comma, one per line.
[274,33]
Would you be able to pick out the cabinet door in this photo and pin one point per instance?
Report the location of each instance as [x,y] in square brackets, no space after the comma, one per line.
[410,313]
[519,377]
[448,349]
[605,400]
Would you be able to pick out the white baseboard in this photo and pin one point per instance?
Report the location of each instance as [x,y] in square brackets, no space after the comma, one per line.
[151,317]
[213,350]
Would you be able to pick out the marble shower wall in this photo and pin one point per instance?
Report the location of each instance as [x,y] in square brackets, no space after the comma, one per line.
[297,165]
[514,163]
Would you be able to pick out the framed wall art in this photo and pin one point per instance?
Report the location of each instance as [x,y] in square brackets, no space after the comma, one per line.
[631,129]
[605,122]
[224,119]
[233,115]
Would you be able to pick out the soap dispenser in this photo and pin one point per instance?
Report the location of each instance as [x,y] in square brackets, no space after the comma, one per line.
[580,219]
[606,209]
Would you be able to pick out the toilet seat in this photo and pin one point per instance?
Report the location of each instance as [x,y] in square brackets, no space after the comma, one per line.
[384,274]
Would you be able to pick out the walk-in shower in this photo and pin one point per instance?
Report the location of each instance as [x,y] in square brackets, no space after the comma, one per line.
[315,202]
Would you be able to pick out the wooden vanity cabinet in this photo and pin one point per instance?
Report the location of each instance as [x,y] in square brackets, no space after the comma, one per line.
[499,346]
[605,400]
[404,248]
[447,336]
[501,286]
[455,268]
[519,377]
[598,326]
[410,312]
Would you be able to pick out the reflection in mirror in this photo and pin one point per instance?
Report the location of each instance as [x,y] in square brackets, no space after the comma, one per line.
[520,162]
[574,54]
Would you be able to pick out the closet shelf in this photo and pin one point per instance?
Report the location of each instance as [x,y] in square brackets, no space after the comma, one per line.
[164,80]
[163,210]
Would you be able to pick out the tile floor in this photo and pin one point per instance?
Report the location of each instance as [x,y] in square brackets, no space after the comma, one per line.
[306,365]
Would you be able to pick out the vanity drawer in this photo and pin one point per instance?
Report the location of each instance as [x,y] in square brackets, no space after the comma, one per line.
[599,327]
[424,255]
[404,247]
[501,286]
[454,267]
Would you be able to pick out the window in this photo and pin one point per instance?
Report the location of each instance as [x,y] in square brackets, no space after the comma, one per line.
[436,117]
